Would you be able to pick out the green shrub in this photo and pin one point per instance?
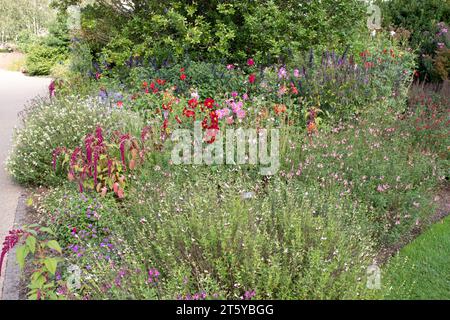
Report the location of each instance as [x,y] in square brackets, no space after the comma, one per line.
[41,59]
[216,30]
[425,20]
[44,53]
[48,125]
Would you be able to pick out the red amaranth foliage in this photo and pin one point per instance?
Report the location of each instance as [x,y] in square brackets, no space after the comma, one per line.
[10,241]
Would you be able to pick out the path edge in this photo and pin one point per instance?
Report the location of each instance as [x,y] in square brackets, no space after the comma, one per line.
[11,283]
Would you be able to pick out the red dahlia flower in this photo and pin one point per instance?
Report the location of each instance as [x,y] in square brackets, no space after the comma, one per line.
[209,103]
[251,78]
[192,103]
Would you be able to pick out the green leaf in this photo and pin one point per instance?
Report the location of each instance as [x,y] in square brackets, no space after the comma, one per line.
[51,264]
[53,244]
[21,254]
[47,230]
[29,202]
[31,243]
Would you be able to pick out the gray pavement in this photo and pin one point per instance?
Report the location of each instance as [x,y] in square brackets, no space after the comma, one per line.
[15,90]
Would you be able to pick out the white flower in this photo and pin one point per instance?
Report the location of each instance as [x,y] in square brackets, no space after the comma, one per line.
[373,33]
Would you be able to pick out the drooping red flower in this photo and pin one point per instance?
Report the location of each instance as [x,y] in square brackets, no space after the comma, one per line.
[120,104]
[10,241]
[252,78]
[51,88]
[182,77]
[161,82]
[123,139]
[144,84]
[209,103]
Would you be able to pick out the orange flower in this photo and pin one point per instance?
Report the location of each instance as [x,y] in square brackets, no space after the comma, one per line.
[312,127]
[279,108]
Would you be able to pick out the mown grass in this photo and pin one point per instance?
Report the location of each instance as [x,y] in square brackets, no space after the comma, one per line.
[421,270]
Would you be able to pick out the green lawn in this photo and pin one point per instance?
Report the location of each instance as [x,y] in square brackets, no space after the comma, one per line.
[422,269]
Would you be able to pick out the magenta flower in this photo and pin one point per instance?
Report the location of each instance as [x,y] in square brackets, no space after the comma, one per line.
[153,275]
[250,62]
[10,241]
[236,106]
[248,295]
[51,88]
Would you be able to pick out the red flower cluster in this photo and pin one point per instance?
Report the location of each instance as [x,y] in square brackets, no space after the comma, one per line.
[182,75]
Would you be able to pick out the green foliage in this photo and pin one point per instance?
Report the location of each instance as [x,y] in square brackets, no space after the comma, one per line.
[44,255]
[40,59]
[215,30]
[24,17]
[421,18]
[48,51]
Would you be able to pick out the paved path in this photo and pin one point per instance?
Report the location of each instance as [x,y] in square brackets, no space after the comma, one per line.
[15,91]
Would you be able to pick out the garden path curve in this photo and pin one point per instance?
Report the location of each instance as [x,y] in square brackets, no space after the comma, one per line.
[15,90]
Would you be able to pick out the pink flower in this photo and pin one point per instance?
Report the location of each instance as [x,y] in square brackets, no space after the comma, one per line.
[296,73]
[282,73]
[230,67]
[250,62]
[240,114]
[222,113]
[245,96]
[236,106]
[230,120]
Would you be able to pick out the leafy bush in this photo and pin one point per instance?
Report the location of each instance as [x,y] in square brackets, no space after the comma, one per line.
[426,21]
[44,53]
[49,125]
[215,30]
[40,59]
